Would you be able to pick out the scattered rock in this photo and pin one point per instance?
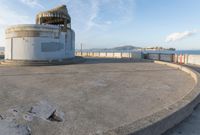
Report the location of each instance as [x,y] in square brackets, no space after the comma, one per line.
[11,128]
[30,111]
[1,117]
[55,117]
[9,124]
[14,111]
[43,110]
[28,117]
[12,114]
[47,111]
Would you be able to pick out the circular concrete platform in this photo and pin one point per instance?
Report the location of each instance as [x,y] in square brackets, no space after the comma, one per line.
[94,97]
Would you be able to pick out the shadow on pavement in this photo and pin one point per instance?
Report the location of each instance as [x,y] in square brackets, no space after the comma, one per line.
[114,60]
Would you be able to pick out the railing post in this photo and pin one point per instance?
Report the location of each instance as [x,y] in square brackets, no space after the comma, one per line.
[172,58]
[159,56]
[181,59]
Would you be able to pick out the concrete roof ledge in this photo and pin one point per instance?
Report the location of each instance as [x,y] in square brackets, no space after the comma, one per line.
[34,27]
[165,119]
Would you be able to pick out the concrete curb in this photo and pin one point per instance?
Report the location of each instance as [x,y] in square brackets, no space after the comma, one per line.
[167,118]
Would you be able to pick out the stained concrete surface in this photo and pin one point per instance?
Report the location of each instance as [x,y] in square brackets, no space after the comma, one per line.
[95,96]
[10,128]
[191,125]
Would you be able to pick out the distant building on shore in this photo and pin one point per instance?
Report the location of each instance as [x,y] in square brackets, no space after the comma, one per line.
[157,49]
[51,38]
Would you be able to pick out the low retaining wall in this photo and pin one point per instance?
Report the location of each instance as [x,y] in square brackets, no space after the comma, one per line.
[167,118]
[136,55]
[162,57]
[1,54]
[193,59]
[176,58]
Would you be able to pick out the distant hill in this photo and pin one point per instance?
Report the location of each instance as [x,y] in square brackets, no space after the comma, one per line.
[126,48]
[121,48]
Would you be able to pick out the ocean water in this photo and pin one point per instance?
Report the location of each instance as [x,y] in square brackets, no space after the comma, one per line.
[194,52]
[189,52]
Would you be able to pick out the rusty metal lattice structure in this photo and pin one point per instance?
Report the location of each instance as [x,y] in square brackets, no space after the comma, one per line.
[57,16]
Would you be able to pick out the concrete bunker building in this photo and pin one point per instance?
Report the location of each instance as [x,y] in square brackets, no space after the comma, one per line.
[51,38]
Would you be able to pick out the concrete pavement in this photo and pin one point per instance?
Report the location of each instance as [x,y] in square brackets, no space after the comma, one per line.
[90,98]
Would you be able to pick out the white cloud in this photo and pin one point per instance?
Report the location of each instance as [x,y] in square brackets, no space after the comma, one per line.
[100,14]
[32,3]
[95,9]
[92,19]
[89,17]
[180,35]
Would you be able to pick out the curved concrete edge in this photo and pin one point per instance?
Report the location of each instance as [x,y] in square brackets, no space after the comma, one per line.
[167,118]
[76,60]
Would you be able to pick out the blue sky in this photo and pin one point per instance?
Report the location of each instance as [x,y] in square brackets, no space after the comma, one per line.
[110,23]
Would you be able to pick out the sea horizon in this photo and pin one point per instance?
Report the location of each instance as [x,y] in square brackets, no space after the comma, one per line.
[194,52]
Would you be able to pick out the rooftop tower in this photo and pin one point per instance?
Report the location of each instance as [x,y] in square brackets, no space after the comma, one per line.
[50,39]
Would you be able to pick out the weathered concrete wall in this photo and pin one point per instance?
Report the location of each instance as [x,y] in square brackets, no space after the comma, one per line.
[166,57]
[2,55]
[153,56]
[162,57]
[176,58]
[39,42]
[193,59]
[137,55]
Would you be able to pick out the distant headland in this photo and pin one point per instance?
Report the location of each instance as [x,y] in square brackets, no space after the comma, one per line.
[131,48]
